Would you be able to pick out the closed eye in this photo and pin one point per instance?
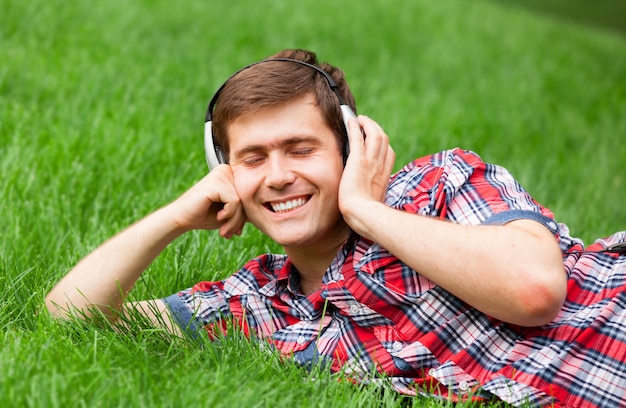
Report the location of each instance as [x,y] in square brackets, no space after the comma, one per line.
[302,152]
[252,160]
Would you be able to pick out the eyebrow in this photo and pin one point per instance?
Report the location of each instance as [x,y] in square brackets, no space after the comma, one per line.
[283,143]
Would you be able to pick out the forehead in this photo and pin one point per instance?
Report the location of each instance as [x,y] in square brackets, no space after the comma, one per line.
[299,118]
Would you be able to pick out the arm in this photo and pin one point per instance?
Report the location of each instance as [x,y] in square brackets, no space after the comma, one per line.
[513,272]
[104,277]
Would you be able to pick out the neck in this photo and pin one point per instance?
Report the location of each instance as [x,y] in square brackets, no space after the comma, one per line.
[312,262]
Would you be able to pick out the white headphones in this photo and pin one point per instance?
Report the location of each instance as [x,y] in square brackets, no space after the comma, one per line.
[214,154]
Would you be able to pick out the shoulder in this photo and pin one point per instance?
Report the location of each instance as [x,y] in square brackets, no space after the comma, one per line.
[445,158]
[426,174]
[460,186]
[429,169]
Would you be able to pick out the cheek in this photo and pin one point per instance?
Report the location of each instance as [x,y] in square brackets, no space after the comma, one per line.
[334,173]
[246,189]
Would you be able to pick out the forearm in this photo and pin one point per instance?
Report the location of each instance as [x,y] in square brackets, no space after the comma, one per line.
[103,278]
[512,273]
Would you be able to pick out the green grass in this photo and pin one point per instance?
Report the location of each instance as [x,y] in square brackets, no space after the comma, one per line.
[609,15]
[101,117]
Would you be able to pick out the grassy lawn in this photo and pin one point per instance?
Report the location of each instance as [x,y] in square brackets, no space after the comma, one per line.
[609,15]
[101,119]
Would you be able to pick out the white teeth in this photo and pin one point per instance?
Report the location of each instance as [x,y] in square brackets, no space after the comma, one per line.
[288,205]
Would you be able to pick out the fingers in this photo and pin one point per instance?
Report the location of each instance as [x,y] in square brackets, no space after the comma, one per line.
[232,219]
[369,165]
[211,204]
[376,141]
[391,160]
[371,141]
[355,136]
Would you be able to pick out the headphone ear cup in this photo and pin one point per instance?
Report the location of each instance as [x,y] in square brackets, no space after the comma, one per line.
[346,114]
[214,155]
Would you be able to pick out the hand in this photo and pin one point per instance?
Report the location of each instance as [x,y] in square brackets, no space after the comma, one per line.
[368,167]
[212,203]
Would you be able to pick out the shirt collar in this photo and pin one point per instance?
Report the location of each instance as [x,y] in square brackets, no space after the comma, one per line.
[288,277]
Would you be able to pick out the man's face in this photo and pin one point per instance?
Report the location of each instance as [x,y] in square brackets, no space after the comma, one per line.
[287,166]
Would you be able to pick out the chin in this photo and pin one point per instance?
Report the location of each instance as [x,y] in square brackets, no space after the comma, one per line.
[290,241]
[287,234]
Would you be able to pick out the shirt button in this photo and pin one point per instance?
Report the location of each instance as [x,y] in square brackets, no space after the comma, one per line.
[300,340]
[464,386]
[354,309]
[397,346]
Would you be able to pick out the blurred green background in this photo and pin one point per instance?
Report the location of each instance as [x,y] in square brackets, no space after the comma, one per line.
[606,14]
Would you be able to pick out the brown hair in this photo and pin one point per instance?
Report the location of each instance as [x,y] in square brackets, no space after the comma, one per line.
[276,82]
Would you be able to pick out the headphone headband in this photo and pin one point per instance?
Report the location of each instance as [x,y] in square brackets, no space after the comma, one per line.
[214,154]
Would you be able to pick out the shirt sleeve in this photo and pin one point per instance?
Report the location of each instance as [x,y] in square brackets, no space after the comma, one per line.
[182,315]
[458,186]
[512,215]
[193,308]
[204,307]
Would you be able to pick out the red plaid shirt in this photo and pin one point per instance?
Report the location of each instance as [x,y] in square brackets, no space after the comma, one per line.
[375,314]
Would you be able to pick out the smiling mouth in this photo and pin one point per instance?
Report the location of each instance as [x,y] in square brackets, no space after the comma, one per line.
[289,205]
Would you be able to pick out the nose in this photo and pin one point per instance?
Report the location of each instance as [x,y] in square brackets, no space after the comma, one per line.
[278,173]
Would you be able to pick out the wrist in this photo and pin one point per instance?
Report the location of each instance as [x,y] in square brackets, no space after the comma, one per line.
[363,217]
[171,220]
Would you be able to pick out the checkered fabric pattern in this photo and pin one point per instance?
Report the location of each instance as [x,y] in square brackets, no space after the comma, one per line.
[375,317]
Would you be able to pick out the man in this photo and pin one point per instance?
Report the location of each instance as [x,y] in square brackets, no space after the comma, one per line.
[446,273]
